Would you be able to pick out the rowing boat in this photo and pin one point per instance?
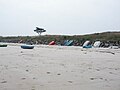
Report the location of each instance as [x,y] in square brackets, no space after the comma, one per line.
[27,46]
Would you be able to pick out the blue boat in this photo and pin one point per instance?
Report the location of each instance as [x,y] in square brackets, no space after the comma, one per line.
[89,46]
[68,43]
[27,46]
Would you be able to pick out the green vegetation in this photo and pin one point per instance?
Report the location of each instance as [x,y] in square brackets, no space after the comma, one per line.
[111,37]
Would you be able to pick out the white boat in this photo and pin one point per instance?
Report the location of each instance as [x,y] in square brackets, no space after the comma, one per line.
[97,44]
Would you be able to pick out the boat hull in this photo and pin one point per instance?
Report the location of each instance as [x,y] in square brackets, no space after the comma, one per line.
[89,46]
[27,47]
[4,45]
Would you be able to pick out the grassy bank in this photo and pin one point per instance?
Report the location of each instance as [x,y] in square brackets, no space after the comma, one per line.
[106,37]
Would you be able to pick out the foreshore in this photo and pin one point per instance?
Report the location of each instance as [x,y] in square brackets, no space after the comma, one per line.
[59,68]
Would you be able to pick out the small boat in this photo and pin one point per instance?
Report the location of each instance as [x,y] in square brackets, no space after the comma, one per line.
[3,45]
[86,43]
[27,46]
[52,43]
[89,46]
[114,47]
[97,44]
[68,42]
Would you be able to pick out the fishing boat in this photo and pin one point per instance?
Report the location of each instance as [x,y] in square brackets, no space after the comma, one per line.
[3,45]
[27,46]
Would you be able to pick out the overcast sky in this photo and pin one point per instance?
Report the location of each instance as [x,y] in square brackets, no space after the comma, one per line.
[71,17]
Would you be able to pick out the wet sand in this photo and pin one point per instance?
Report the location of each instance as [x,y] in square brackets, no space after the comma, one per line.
[59,68]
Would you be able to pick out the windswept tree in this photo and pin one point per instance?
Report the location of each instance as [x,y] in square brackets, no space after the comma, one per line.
[39,30]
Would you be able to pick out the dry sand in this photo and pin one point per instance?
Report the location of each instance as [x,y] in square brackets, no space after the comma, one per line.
[59,68]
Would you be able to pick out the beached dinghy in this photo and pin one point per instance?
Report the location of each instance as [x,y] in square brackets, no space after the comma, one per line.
[68,43]
[52,43]
[87,45]
[97,44]
[27,46]
[3,45]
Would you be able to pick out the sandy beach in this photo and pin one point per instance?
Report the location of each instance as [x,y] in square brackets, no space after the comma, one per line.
[59,68]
